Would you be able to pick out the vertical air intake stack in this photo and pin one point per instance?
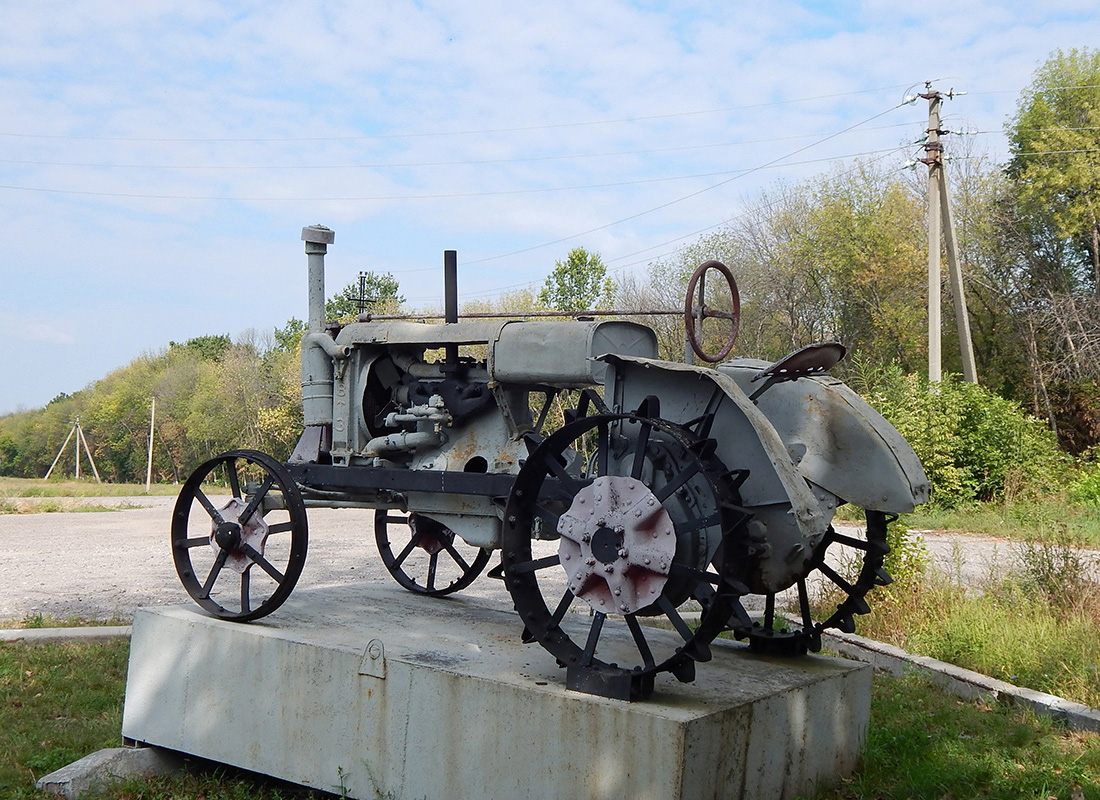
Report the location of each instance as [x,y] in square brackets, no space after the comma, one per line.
[316,362]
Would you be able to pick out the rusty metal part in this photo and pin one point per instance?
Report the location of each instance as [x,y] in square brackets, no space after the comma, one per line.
[813,359]
[697,311]
[617,545]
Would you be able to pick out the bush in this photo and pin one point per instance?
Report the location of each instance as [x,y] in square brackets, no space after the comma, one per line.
[974,444]
[1085,489]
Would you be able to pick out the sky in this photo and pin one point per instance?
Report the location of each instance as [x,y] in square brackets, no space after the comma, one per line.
[159,160]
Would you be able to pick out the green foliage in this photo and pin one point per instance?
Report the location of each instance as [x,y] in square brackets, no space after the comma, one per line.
[1085,488]
[378,291]
[579,283]
[208,348]
[289,337]
[1054,138]
[974,444]
[209,398]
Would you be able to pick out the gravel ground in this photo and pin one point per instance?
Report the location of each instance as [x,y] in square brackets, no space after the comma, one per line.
[104,565]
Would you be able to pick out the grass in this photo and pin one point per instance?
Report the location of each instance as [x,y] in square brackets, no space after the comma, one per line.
[924,744]
[57,704]
[1036,626]
[59,505]
[36,620]
[61,702]
[36,487]
[1019,520]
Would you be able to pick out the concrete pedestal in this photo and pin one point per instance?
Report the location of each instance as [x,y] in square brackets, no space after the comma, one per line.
[378,693]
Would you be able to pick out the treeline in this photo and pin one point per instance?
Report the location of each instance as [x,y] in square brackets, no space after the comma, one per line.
[212,394]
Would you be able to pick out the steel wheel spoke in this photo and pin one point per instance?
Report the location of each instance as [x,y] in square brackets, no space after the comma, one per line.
[215,571]
[712,578]
[433,561]
[639,640]
[537,564]
[698,524]
[456,556]
[804,607]
[839,538]
[563,486]
[593,638]
[769,611]
[194,541]
[234,478]
[563,606]
[675,618]
[668,489]
[265,565]
[245,601]
[603,449]
[832,575]
[640,451]
[258,498]
[397,562]
[204,501]
[280,527]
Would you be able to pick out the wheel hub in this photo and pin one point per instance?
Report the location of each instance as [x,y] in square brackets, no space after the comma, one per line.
[231,535]
[431,537]
[617,545]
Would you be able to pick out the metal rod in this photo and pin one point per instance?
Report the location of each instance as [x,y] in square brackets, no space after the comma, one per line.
[532,314]
[450,285]
[450,301]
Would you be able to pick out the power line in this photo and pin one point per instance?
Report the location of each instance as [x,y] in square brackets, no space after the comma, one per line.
[437,196]
[407,164]
[690,195]
[620,268]
[425,134]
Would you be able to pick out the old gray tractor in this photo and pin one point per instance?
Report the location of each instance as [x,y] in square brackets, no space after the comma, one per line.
[621,490]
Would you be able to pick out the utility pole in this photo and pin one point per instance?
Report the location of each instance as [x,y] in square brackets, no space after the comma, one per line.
[78,432]
[149,463]
[939,214]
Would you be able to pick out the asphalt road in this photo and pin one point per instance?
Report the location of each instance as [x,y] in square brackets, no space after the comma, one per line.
[106,564]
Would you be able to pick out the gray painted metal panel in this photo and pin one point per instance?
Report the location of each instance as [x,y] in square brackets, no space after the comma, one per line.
[839,441]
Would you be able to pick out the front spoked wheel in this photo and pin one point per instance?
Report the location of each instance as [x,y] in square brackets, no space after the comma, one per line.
[649,530]
[239,535]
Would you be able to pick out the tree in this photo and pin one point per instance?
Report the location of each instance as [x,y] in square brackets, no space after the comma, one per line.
[379,291]
[579,283]
[289,336]
[208,348]
[1054,138]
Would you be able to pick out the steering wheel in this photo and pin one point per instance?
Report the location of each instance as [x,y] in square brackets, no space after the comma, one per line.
[695,313]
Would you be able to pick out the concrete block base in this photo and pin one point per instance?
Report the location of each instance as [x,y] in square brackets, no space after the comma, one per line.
[102,766]
[374,692]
